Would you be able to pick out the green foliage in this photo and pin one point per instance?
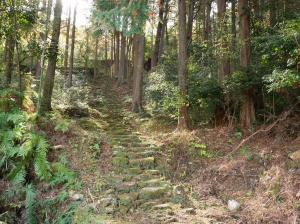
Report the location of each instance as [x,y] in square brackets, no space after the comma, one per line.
[244,151]
[62,175]
[30,204]
[205,95]
[282,79]
[62,126]
[162,95]
[66,217]
[21,148]
[127,17]
[200,150]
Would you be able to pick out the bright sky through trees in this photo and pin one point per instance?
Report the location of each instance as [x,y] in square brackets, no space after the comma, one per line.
[83,10]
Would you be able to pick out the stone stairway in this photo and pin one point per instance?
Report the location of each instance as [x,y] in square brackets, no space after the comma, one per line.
[137,183]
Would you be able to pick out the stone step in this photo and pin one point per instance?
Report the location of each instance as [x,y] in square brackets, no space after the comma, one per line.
[140,154]
[143,163]
[149,193]
[158,182]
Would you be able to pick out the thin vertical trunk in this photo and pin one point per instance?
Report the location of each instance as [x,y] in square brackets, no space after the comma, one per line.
[273,16]
[190,21]
[106,49]
[121,75]
[138,72]
[224,64]
[233,33]
[96,58]
[207,30]
[44,37]
[72,48]
[87,51]
[9,58]
[155,52]
[164,30]
[117,55]
[247,112]
[47,88]
[67,46]
[182,65]
[112,45]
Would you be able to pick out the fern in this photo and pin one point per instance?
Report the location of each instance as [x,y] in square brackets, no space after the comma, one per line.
[30,204]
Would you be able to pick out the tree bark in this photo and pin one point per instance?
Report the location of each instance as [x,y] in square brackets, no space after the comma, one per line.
[117,55]
[47,88]
[233,33]
[273,11]
[247,112]
[121,75]
[190,21]
[87,51]
[138,72]
[72,48]
[207,27]
[224,64]
[67,46]
[182,65]
[155,52]
[96,58]
[9,58]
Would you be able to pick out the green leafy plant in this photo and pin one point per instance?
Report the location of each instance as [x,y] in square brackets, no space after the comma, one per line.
[282,79]
[21,148]
[30,204]
[62,126]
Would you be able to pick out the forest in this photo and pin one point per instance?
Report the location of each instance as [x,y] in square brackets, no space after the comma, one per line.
[149,111]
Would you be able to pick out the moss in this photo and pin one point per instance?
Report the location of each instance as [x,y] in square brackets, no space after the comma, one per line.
[149,193]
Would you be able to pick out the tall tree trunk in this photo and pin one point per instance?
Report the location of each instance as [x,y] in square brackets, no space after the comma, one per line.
[87,51]
[190,21]
[224,64]
[182,65]
[164,30]
[9,58]
[44,37]
[47,88]
[155,52]
[117,55]
[233,32]
[121,75]
[72,48]
[96,58]
[138,72]
[247,112]
[207,27]
[112,49]
[67,46]
[273,10]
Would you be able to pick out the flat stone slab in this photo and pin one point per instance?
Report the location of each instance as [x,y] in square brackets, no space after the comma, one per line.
[147,162]
[148,193]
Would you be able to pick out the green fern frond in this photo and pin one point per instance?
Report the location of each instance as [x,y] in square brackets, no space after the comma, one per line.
[17,174]
[30,204]
[41,164]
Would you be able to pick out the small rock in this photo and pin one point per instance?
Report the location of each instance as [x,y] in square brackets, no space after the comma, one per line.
[76,197]
[109,210]
[233,205]
[295,156]
[105,201]
[191,211]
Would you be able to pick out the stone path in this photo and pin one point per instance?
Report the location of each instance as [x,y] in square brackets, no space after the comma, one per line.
[137,186]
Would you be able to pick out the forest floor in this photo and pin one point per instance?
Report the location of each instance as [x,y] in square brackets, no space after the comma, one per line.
[136,169]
